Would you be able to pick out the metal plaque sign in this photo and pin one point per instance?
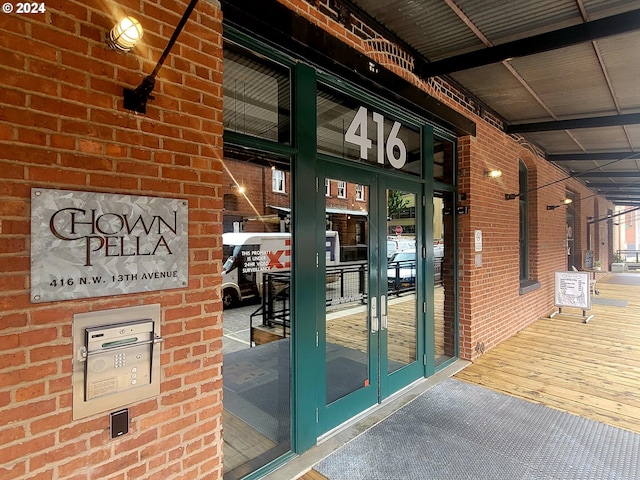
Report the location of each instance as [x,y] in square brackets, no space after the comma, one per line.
[86,244]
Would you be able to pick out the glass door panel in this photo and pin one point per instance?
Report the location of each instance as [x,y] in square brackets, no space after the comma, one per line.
[444,291]
[256,348]
[347,315]
[399,319]
[374,279]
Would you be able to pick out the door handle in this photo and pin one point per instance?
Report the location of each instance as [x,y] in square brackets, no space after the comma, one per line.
[384,323]
[374,315]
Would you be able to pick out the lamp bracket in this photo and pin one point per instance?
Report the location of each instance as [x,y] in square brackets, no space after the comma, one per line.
[136,99]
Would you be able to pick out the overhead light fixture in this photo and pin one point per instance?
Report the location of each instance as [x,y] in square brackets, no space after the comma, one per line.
[493,173]
[566,201]
[125,34]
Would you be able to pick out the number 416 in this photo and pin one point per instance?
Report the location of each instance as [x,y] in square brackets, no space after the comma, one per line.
[357,133]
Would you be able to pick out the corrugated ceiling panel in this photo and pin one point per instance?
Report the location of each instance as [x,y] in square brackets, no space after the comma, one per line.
[430,27]
[634,134]
[621,57]
[576,166]
[601,166]
[601,139]
[605,8]
[569,81]
[554,142]
[497,87]
[502,21]
[621,166]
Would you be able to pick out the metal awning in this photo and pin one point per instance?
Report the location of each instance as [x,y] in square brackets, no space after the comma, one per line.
[340,211]
[561,73]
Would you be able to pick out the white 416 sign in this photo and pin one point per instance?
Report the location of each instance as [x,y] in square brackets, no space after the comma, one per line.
[393,147]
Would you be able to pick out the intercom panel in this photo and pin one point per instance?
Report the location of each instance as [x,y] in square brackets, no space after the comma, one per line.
[117,358]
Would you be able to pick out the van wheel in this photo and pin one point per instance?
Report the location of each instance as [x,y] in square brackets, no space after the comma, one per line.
[229,298]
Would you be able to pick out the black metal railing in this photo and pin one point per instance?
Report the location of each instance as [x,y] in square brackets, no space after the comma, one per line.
[401,277]
[345,283]
[275,309]
[629,255]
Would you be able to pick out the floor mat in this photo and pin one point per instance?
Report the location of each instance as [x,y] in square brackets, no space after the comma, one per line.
[459,430]
[623,279]
[609,302]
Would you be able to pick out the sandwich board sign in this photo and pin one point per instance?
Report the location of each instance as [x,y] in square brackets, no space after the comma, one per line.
[572,290]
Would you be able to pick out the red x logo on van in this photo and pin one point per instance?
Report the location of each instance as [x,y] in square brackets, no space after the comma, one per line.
[274,259]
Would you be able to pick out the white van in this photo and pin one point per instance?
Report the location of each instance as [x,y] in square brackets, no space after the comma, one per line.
[248,255]
[399,244]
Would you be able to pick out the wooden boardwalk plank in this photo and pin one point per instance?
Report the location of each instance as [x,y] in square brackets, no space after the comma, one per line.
[591,370]
[313,475]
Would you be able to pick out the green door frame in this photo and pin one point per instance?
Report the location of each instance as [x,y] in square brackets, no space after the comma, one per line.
[309,173]
[382,384]
[307,241]
[349,406]
[305,244]
[424,282]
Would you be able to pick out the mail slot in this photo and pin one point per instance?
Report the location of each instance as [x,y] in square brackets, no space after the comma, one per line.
[117,359]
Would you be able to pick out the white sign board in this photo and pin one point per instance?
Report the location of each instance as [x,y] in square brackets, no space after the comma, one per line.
[477,236]
[86,244]
[572,290]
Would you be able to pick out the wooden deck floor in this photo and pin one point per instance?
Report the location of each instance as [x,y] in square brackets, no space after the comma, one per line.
[591,370]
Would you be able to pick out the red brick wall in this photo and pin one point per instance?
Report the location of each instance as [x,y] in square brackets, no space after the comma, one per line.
[491,306]
[63,126]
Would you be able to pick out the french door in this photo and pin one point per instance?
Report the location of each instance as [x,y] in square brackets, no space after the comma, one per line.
[372,333]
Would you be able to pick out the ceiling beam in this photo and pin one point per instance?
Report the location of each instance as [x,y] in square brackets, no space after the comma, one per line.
[635,174]
[615,186]
[623,200]
[623,194]
[583,32]
[581,156]
[587,122]
[617,191]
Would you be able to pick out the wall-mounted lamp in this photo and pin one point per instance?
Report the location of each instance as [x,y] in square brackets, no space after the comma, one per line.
[566,201]
[136,99]
[237,186]
[493,174]
[125,34]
